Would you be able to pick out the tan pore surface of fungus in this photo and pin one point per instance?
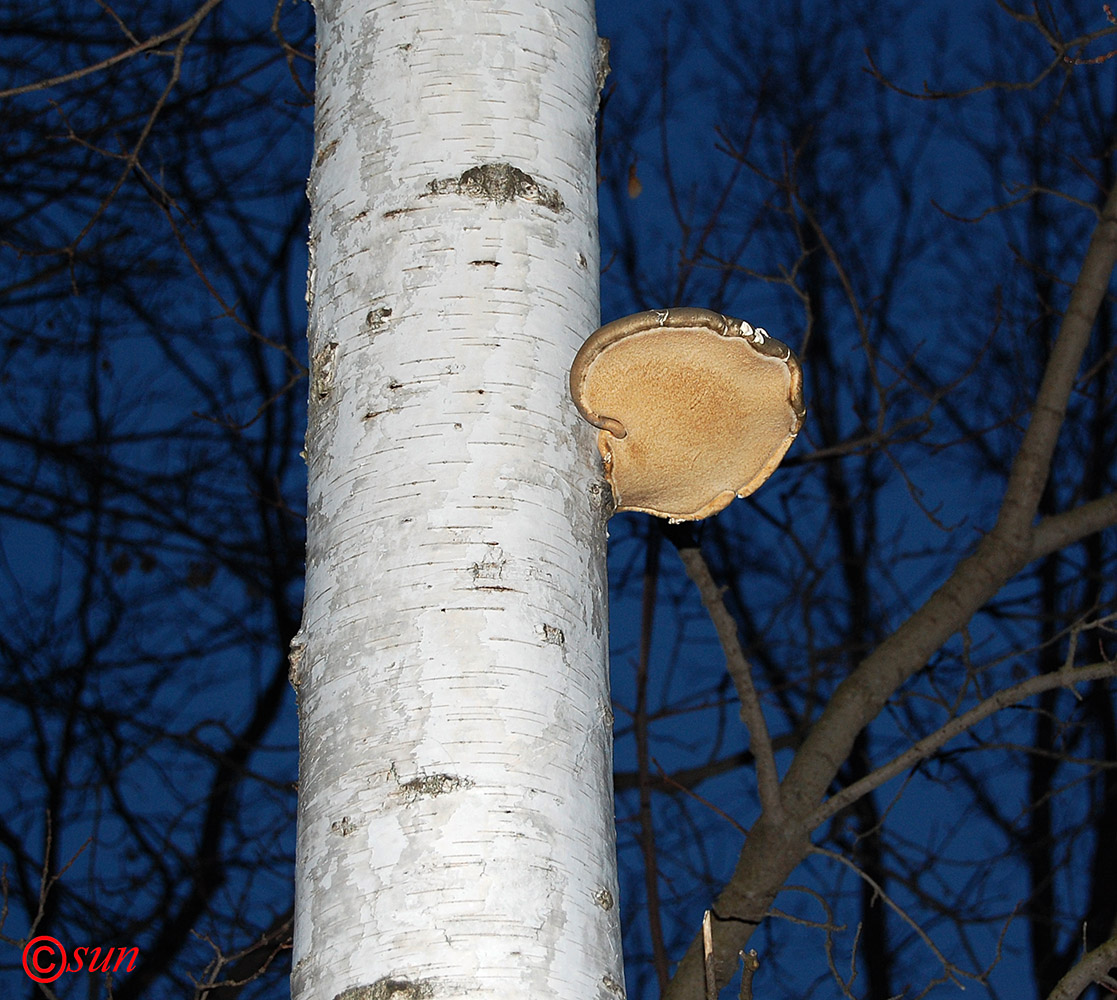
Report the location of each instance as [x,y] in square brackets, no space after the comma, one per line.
[695,408]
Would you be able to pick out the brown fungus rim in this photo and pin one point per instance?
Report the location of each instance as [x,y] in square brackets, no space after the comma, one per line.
[679,318]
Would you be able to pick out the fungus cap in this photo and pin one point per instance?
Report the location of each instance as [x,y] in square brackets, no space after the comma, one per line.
[694,408]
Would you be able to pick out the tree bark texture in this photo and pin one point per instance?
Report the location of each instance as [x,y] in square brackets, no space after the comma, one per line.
[455,797]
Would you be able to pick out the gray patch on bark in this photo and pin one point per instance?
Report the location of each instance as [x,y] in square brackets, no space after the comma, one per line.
[433,784]
[295,654]
[608,720]
[601,70]
[389,989]
[499,183]
[610,987]
[428,784]
[345,827]
[601,499]
[322,371]
[377,318]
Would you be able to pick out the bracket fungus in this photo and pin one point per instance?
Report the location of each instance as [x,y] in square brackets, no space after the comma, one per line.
[694,408]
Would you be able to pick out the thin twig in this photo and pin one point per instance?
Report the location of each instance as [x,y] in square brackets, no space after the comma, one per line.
[922,749]
[187,27]
[952,970]
[749,964]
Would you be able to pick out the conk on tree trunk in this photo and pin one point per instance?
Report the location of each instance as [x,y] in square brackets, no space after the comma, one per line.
[455,790]
[695,408]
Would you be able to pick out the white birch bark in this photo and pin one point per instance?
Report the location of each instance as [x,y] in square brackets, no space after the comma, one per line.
[455,792]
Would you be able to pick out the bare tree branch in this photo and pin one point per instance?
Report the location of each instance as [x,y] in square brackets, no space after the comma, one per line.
[1093,967]
[924,748]
[752,715]
[184,31]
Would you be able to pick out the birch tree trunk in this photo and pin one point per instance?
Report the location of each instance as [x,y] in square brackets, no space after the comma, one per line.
[455,833]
